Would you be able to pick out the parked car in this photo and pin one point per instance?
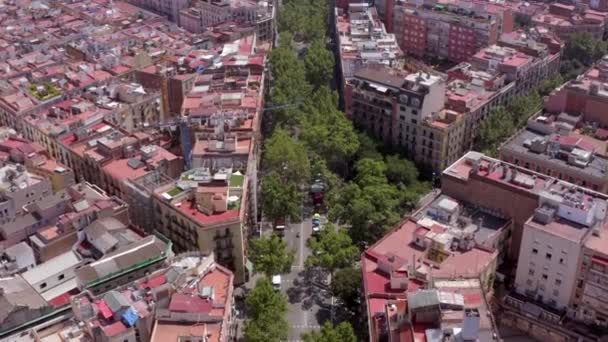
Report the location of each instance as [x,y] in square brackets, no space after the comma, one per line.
[279,227]
[276,282]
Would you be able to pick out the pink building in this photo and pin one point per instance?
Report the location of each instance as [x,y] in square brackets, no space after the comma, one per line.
[398,271]
[452,30]
[564,20]
[586,96]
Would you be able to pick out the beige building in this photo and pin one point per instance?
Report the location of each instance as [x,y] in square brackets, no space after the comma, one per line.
[206,212]
[407,111]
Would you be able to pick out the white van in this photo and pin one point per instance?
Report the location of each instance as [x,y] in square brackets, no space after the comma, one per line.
[276,282]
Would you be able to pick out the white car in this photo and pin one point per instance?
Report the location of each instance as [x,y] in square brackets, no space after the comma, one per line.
[276,282]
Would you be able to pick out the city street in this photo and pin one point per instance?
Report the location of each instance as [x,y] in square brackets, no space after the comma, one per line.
[309,300]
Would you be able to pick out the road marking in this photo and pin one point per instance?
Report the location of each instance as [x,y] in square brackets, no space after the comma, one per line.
[299,326]
[297,268]
[302,239]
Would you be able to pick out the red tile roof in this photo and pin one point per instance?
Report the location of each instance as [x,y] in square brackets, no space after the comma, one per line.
[186,303]
[114,329]
[154,282]
[104,309]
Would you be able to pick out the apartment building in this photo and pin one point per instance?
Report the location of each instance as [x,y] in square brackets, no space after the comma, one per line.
[454,30]
[362,40]
[207,211]
[173,81]
[203,15]
[475,93]
[19,188]
[447,244]
[584,96]
[21,303]
[553,240]
[167,8]
[538,42]
[432,122]
[558,235]
[190,295]
[36,160]
[525,70]
[564,20]
[551,144]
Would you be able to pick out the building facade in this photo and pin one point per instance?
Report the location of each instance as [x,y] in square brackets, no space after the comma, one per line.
[452,30]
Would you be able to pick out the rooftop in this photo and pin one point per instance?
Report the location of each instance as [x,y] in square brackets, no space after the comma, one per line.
[363,38]
[191,292]
[206,198]
[555,142]
[127,257]
[443,240]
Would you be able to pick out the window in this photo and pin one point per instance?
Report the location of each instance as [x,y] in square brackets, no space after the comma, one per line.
[60,277]
[548,256]
[43,285]
[534,251]
[558,281]
[529,282]
[556,293]
[562,261]
[545,277]
[531,272]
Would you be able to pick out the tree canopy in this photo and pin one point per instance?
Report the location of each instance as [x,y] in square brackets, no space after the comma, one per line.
[325,129]
[287,156]
[502,122]
[319,63]
[343,332]
[267,311]
[346,285]
[401,171]
[580,52]
[332,249]
[270,255]
[280,199]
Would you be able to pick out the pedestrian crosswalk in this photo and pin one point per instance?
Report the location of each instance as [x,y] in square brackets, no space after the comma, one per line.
[305,327]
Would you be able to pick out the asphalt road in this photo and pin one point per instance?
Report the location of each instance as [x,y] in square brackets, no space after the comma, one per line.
[309,300]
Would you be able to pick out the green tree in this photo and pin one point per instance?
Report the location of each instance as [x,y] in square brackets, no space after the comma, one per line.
[399,170]
[333,249]
[270,255]
[370,172]
[370,211]
[319,63]
[327,131]
[522,107]
[267,311]
[583,47]
[289,85]
[494,129]
[346,285]
[343,332]
[280,198]
[411,194]
[368,147]
[287,156]
[547,86]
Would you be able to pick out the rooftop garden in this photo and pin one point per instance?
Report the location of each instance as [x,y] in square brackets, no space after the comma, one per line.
[44,92]
[175,191]
[236,180]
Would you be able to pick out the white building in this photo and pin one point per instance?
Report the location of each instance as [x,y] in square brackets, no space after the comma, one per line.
[553,241]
